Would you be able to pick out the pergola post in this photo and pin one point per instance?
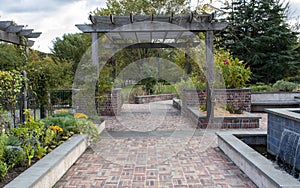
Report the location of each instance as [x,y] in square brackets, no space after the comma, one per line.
[95,48]
[209,73]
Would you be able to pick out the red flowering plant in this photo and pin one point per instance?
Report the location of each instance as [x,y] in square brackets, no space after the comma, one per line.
[235,72]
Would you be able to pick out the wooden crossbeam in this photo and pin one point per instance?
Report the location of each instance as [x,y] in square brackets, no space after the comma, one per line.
[151,45]
[25,32]
[34,35]
[5,24]
[14,29]
[191,22]
[13,38]
[12,33]
[151,27]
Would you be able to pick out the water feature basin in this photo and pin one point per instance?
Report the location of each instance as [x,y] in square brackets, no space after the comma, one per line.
[259,169]
[284,135]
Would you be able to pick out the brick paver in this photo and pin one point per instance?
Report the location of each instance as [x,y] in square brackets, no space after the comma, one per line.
[152,145]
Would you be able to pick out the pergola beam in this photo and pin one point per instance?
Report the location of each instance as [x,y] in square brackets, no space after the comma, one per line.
[13,38]
[14,29]
[151,26]
[150,45]
[5,24]
[12,33]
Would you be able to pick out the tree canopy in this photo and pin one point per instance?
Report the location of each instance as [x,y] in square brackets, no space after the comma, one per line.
[259,34]
[125,7]
[70,48]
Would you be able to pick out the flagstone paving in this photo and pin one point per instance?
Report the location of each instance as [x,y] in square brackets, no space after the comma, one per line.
[152,145]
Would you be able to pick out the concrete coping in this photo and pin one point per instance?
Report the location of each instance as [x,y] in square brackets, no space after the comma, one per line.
[285,113]
[259,169]
[47,171]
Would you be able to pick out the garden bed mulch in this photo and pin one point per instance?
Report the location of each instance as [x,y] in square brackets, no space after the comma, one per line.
[221,112]
[14,172]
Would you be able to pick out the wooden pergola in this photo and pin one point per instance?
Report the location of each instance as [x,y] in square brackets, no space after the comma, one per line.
[157,31]
[11,33]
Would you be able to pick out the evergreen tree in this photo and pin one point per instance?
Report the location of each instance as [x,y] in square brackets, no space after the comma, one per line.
[259,34]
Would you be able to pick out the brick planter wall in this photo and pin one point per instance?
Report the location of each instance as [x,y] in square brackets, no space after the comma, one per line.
[110,104]
[234,97]
[234,122]
[153,98]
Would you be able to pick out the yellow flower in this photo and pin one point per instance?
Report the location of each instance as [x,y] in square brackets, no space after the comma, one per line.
[80,115]
[57,128]
[62,111]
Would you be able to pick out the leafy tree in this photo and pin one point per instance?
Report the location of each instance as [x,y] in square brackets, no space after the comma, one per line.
[11,83]
[259,34]
[70,48]
[125,7]
[43,75]
[10,58]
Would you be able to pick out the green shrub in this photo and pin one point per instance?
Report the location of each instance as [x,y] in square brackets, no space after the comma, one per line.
[13,141]
[67,123]
[260,87]
[40,151]
[128,93]
[164,89]
[234,109]
[86,126]
[14,156]
[70,125]
[3,143]
[282,85]
[183,84]
[10,87]
[203,107]
[3,169]
[234,71]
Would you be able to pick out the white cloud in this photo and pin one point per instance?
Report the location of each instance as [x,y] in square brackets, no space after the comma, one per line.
[59,18]
[295,7]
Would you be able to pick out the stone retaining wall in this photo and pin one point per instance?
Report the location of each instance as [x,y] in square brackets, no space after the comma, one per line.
[153,98]
[234,97]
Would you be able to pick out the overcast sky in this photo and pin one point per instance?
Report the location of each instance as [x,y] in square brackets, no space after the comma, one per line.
[56,17]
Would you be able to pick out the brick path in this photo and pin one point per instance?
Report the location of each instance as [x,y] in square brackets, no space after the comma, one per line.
[151,145]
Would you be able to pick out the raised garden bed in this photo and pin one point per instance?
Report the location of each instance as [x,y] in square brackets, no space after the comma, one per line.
[47,171]
[244,120]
